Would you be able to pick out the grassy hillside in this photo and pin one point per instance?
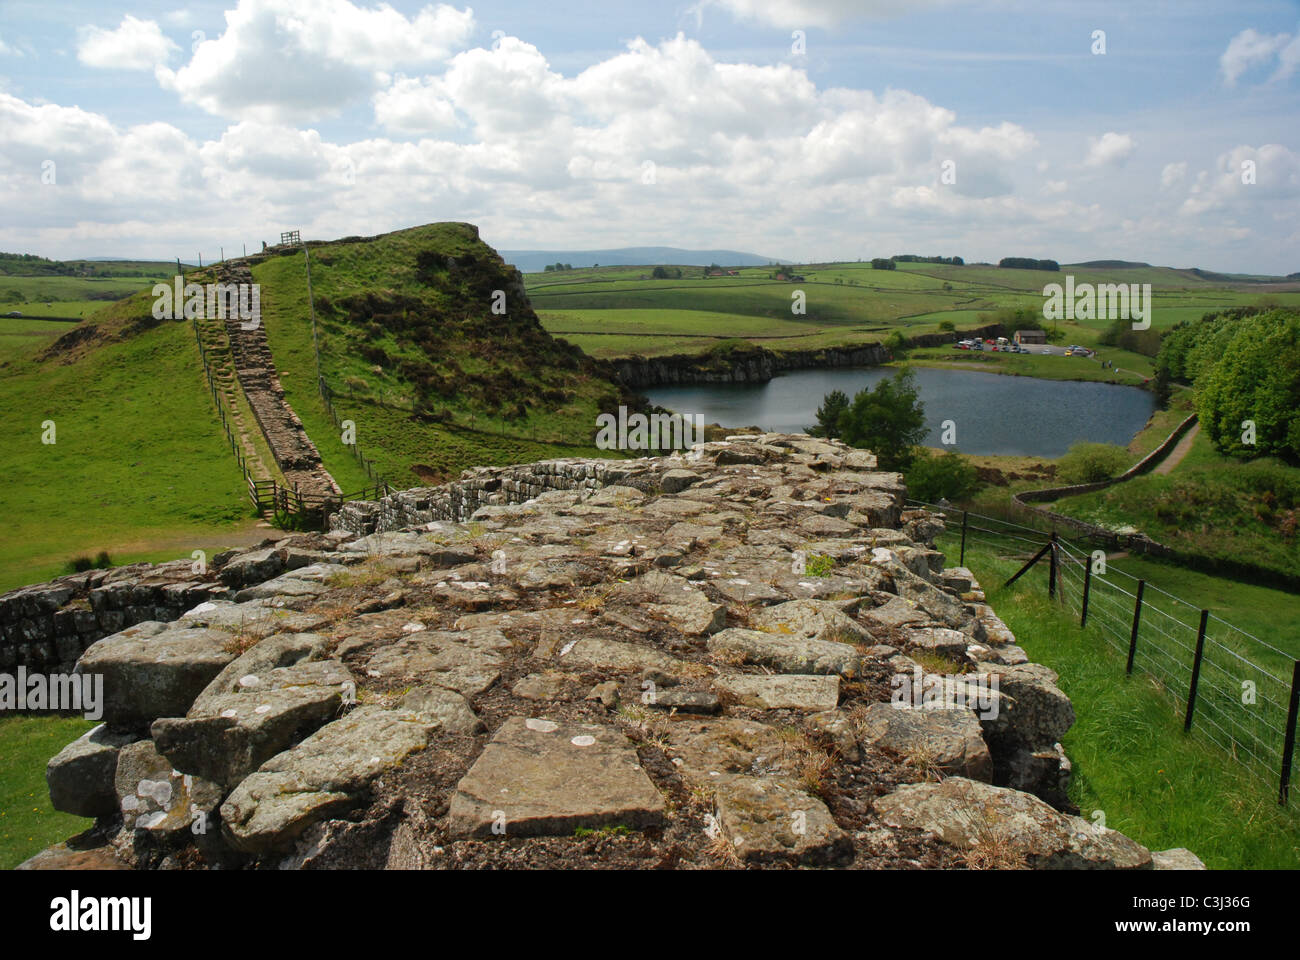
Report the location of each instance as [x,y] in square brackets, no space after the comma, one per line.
[139,465]
[1211,505]
[28,824]
[434,380]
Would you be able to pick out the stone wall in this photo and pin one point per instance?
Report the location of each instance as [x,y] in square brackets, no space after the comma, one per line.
[46,627]
[672,662]
[481,487]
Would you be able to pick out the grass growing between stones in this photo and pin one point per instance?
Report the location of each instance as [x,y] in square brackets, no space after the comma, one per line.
[1132,761]
[28,824]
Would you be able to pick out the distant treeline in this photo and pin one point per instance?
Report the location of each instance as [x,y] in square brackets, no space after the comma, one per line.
[30,265]
[914,258]
[1028,263]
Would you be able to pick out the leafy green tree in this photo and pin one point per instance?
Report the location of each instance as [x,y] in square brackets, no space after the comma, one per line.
[888,420]
[1256,378]
[947,476]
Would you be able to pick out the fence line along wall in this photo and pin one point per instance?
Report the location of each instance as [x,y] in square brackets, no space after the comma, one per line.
[1239,691]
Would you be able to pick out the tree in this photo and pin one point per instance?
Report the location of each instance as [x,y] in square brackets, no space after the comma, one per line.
[1256,378]
[947,476]
[888,420]
[828,414]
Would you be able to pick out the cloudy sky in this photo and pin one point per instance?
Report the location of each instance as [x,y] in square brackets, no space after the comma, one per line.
[801,129]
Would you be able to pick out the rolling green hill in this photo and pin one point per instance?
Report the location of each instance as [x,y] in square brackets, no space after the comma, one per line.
[434,380]
[619,311]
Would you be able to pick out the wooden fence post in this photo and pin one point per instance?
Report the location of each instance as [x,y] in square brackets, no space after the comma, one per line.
[1052,568]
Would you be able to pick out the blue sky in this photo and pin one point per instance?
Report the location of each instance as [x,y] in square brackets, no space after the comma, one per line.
[984,129]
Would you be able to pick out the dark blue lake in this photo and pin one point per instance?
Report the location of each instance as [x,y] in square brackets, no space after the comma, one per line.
[993,413]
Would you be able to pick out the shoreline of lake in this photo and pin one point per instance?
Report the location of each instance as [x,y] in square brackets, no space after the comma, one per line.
[986,413]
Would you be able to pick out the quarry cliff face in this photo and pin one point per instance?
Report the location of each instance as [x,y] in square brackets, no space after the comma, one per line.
[750,655]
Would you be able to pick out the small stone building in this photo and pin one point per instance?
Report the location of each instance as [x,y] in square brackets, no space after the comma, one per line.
[1031,336]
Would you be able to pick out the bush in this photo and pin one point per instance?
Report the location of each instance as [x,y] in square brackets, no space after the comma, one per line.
[1093,462]
[83,563]
[947,326]
[947,476]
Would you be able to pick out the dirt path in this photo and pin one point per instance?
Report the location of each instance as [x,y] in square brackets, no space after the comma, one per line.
[1176,455]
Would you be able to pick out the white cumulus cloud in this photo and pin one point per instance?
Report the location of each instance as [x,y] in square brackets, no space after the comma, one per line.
[134,45]
[288,61]
[1109,150]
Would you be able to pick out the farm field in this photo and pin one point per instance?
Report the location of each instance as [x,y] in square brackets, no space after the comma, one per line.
[606,310]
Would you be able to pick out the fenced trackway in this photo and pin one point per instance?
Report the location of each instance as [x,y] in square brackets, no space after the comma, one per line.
[1240,691]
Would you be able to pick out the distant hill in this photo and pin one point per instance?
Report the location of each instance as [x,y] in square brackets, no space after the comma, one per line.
[1109,264]
[533,261]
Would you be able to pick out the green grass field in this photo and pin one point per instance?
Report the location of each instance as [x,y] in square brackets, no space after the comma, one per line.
[1131,758]
[139,465]
[28,824]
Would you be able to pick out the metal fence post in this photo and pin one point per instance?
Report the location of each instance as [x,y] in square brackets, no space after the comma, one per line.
[964,515]
[1087,589]
[1137,619]
[1196,671]
[1051,569]
[1289,745]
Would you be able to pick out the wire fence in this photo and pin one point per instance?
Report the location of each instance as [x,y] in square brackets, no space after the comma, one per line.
[1241,692]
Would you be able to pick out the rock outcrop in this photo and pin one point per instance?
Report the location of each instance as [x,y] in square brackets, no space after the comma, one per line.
[695,660]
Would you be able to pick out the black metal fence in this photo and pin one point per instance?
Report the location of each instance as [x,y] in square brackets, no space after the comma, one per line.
[1240,691]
